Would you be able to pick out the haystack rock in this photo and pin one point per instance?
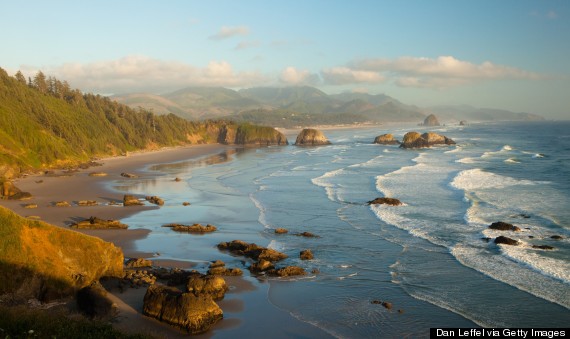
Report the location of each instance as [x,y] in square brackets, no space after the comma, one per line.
[386,139]
[431,120]
[311,137]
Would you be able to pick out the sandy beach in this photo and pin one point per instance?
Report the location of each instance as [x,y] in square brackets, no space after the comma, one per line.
[246,307]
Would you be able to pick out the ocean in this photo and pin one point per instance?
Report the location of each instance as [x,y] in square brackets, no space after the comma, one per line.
[433,258]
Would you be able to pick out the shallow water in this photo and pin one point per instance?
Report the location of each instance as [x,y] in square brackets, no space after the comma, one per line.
[427,257]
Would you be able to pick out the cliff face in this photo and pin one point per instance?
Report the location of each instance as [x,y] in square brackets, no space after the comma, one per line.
[42,261]
[311,137]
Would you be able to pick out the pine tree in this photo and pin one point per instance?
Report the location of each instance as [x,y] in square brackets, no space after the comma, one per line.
[40,82]
[20,77]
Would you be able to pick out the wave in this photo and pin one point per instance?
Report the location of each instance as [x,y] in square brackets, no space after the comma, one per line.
[262,212]
[512,161]
[504,149]
[476,179]
[322,181]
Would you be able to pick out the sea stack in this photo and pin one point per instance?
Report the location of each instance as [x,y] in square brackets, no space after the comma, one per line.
[431,120]
[311,137]
[386,139]
[416,140]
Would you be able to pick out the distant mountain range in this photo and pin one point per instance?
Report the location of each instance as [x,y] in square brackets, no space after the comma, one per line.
[303,106]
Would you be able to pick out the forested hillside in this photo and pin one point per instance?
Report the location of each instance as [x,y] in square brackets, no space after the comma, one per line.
[44,123]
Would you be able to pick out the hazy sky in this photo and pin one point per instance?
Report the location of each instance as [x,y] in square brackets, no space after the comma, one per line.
[509,54]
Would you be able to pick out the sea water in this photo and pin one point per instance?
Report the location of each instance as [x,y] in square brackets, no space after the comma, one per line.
[433,257]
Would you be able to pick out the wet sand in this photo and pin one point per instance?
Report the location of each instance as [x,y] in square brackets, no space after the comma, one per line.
[247,311]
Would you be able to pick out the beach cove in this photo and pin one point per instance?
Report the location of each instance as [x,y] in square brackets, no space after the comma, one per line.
[426,258]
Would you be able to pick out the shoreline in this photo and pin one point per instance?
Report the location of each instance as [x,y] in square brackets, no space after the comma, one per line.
[246,304]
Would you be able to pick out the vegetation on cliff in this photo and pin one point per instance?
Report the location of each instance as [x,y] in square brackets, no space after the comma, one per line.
[46,124]
[42,261]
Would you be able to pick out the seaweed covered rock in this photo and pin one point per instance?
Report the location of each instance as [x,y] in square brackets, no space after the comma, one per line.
[306,255]
[311,137]
[195,314]
[195,228]
[131,200]
[386,139]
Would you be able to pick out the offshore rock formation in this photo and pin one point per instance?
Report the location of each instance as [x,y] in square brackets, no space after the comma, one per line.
[42,261]
[385,201]
[195,228]
[417,140]
[96,223]
[311,137]
[386,139]
[431,120]
[251,135]
[503,226]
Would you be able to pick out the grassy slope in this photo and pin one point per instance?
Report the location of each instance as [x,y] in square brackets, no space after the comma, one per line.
[44,261]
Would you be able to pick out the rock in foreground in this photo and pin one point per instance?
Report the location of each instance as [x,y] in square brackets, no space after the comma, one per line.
[195,314]
[311,137]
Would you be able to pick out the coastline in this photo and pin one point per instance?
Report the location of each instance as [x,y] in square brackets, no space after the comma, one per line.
[246,304]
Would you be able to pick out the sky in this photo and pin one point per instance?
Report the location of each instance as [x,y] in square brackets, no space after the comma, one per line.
[508,54]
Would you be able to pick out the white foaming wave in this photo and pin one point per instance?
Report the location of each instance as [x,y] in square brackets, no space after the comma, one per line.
[262,211]
[276,245]
[467,160]
[503,149]
[504,269]
[475,179]
[329,187]
[457,149]
[538,155]
[367,163]
[380,179]
[512,161]
[559,269]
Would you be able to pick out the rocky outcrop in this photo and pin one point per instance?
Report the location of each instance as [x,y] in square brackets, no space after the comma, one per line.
[503,226]
[431,120]
[261,266]
[96,223]
[92,301]
[287,271]
[281,231]
[251,135]
[462,123]
[386,139]
[87,203]
[195,314]
[311,137]
[154,200]
[385,201]
[306,235]
[47,262]
[212,285]
[131,200]
[195,228]
[505,240]
[417,140]
[252,250]
[129,175]
[98,174]
[138,262]
[219,268]
[11,192]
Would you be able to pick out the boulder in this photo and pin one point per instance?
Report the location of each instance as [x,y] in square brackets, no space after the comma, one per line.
[431,120]
[212,285]
[385,201]
[195,314]
[155,200]
[97,174]
[307,235]
[131,200]
[311,137]
[195,228]
[543,247]
[386,139]
[281,231]
[30,206]
[62,204]
[186,203]
[557,237]
[503,226]
[129,175]
[261,266]
[462,123]
[507,241]
[96,223]
[306,255]
[87,203]
[219,268]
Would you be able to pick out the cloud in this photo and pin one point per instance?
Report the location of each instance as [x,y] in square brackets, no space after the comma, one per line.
[345,75]
[441,72]
[293,76]
[246,45]
[141,73]
[227,32]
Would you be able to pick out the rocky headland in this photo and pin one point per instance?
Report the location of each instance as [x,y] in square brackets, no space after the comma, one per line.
[311,137]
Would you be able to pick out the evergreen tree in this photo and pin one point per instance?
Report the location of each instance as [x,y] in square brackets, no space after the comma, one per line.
[40,82]
[20,77]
